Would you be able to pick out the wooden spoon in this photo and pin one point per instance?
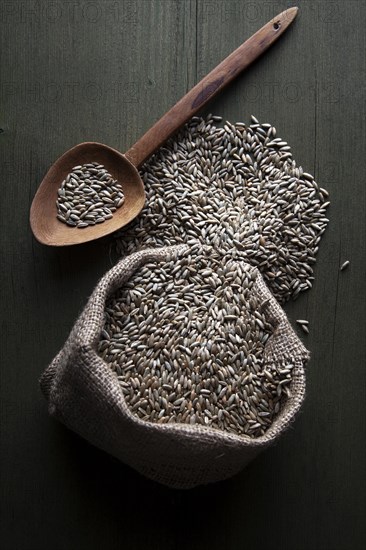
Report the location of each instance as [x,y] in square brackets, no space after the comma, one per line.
[49,230]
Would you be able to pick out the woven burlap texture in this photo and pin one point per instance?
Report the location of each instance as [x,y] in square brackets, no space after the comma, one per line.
[84,394]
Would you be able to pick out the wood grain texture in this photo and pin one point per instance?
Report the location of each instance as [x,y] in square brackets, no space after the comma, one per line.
[105,71]
[211,84]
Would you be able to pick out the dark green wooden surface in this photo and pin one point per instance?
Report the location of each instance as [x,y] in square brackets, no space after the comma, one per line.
[105,71]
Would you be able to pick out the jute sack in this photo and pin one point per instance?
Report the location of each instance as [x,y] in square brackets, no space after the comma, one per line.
[84,393]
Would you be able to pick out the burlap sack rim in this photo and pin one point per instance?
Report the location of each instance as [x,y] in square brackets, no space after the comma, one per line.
[84,337]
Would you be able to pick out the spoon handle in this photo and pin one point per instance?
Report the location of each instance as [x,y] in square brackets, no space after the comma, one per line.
[209,87]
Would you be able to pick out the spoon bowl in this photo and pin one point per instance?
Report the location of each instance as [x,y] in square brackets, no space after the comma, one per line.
[49,230]
[124,167]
